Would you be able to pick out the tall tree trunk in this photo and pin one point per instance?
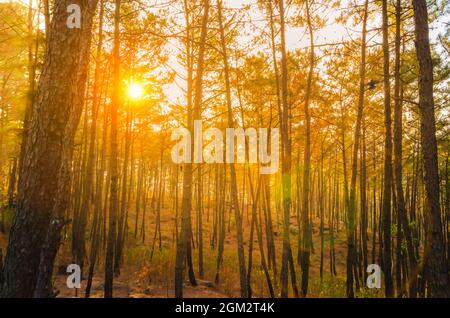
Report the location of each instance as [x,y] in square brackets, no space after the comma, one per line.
[387,186]
[261,250]
[352,198]
[96,233]
[220,201]
[141,172]
[201,270]
[32,63]
[306,223]
[184,242]
[90,165]
[11,186]
[285,159]
[401,206]
[436,268]
[45,171]
[234,190]
[321,188]
[374,206]
[113,165]
[363,195]
[123,199]
[46,17]
[98,219]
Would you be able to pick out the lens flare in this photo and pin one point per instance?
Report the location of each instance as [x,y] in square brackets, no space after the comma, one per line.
[135,90]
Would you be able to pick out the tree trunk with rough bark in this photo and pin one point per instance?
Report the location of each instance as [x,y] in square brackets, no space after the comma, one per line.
[43,191]
[398,136]
[435,263]
[234,190]
[387,186]
[184,241]
[285,160]
[113,164]
[351,215]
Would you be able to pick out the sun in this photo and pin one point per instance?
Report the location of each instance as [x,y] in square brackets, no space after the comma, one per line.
[135,90]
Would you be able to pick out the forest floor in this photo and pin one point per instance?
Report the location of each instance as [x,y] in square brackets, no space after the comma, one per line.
[144,275]
[127,287]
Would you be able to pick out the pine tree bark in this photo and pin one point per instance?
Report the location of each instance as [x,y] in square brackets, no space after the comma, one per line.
[11,188]
[113,165]
[98,219]
[89,172]
[387,186]
[220,217]
[141,172]
[306,223]
[123,211]
[184,242]
[351,214]
[398,123]
[285,159]
[45,171]
[96,232]
[364,222]
[32,64]
[435,264]
[234,190]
